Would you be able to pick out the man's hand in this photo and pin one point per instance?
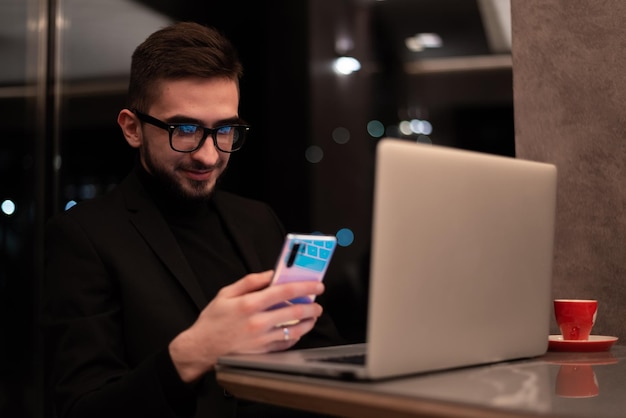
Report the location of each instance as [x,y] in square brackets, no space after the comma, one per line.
[237,320]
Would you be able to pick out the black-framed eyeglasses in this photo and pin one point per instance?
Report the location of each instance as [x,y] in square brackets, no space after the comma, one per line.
[188,137]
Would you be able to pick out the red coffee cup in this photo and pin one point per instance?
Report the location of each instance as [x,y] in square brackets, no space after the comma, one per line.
[575,317]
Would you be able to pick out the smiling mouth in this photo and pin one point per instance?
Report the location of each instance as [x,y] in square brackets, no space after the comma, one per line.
[199,174]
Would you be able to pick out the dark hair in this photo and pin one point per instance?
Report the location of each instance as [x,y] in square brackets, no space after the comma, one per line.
[182,50]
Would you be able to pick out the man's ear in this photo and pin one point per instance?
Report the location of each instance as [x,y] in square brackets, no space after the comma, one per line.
[131,127]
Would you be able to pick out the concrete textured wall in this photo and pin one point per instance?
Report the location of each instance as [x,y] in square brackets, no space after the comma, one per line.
[569,102]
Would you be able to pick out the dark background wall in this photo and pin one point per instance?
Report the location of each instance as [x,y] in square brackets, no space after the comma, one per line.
[569,96]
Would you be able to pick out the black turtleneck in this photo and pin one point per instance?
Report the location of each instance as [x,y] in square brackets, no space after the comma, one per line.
[201,234]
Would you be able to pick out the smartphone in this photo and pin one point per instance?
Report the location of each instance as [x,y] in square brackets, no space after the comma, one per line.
[304,257]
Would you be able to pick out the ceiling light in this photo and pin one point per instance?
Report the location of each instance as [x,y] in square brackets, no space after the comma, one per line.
[421,41]
[346,65]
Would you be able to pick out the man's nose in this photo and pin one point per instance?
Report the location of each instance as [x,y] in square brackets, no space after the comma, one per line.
[207,153]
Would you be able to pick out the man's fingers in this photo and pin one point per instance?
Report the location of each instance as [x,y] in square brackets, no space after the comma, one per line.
[250,283]
[274,295]
[285,337]
[279,338]
[290,315]
[255,295]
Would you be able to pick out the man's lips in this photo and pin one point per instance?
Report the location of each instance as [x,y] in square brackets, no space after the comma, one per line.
[199,175]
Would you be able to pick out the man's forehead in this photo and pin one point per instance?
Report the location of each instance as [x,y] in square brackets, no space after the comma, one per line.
[157,89]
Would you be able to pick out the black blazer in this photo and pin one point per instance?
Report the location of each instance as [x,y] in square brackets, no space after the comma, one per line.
[118,289]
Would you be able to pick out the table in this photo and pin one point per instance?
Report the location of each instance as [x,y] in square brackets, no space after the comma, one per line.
[577,385]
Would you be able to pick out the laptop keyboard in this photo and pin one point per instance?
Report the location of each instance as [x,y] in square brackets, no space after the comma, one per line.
[352,359]
[314,254]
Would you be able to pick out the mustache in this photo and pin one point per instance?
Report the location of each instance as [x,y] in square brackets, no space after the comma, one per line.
[202,167]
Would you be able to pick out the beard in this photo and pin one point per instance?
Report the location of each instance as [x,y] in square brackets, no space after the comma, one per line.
[195,192]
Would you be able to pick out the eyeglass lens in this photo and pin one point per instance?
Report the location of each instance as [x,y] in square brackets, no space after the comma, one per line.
[227,138]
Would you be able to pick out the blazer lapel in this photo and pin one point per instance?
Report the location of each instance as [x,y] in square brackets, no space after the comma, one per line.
[152,226]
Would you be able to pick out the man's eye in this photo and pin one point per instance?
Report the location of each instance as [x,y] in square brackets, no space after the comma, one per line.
[224,130]
[187,129]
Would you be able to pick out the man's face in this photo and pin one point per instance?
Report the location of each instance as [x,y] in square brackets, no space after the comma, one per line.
[206,102]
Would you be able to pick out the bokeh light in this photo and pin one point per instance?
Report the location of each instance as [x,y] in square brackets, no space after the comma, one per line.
[341,135]
[345,237]
[375,128]
[314,154]
[8,207]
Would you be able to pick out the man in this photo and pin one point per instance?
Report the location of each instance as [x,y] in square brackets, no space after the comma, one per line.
[148,285]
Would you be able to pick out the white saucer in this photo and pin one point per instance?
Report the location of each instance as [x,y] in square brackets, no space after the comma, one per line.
[594,343]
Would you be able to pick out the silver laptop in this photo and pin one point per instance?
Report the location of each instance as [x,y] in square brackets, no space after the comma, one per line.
[461,267]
